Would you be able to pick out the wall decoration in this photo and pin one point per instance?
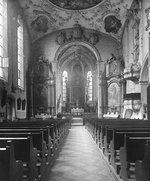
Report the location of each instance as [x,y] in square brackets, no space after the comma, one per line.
[40,24]
[147,11]
[136,39]
[77,33]
[61,38]
[113,95]
[112,24]
[113,66]
[76,4]
[63,18]
[133,72]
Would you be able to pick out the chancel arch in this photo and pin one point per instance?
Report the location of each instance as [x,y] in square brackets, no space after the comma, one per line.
[78,58]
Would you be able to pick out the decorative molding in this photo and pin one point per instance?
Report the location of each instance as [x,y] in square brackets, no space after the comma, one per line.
[133,72]
[77,33]
[43,17]
[114,66]
[40,24]
[147,11]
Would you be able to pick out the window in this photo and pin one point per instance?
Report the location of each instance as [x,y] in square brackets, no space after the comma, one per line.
[65,79]
[3,41]
[20,54]
[89,85]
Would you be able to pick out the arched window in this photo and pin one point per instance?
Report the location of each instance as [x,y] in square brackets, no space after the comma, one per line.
[20,54]
[65,79]
[3,41]
[89,85]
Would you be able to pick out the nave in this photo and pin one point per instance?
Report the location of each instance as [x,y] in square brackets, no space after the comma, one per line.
[80,159]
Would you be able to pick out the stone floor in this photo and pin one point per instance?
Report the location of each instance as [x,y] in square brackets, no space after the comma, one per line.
[79,159]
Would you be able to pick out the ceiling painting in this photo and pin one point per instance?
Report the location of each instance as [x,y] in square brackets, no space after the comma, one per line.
[76,4]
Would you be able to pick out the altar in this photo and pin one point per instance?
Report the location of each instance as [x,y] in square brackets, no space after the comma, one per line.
[77,111]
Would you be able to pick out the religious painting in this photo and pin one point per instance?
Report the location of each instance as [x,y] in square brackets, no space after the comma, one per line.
[113,95]
[75,4]
[112,24]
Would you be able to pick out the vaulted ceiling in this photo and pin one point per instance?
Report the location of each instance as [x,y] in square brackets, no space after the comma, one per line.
[46,16]
[74,54]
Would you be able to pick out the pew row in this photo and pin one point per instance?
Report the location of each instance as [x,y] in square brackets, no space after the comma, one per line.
[44,140]
[10,168]
[124,144]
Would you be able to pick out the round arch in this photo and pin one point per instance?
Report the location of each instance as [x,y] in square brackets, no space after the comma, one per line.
[99,64]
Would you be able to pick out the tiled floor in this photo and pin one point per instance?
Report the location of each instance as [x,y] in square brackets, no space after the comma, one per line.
[79,160]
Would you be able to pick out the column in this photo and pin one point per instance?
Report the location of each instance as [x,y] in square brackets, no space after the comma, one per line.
[70,95]
[51,95]
[100,71]
[148,88]
[99,91]
[100,95]
[31,94]
[149,59]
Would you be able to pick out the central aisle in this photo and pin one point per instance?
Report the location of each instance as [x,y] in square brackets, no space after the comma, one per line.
[79,159]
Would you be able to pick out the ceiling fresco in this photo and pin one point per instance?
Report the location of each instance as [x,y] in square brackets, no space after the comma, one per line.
[75,4]
[43,17]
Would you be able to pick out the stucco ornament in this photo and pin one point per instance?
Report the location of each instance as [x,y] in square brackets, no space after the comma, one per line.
[61,18]
[60,39]
[147,11]
[77,33]
[40,24]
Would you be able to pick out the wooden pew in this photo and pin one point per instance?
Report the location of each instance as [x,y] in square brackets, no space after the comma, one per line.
[51,135]
[25,152]
[103,129]
[118,141]
[132,151]
[38,142]
[142,167]
[10,168]
[104,126]
[46,136]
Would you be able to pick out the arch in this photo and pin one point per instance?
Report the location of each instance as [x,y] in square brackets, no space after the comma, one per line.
[99,65]
[113,80]
[63,47]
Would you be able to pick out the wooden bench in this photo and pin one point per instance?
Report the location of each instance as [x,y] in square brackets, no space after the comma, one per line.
[45,138]
[110,138]
[142,167]
[38,142]
[10,168]
[118,141]
[132,151]
[25,152]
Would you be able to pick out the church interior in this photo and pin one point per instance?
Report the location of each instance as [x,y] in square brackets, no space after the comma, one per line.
[74,73]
